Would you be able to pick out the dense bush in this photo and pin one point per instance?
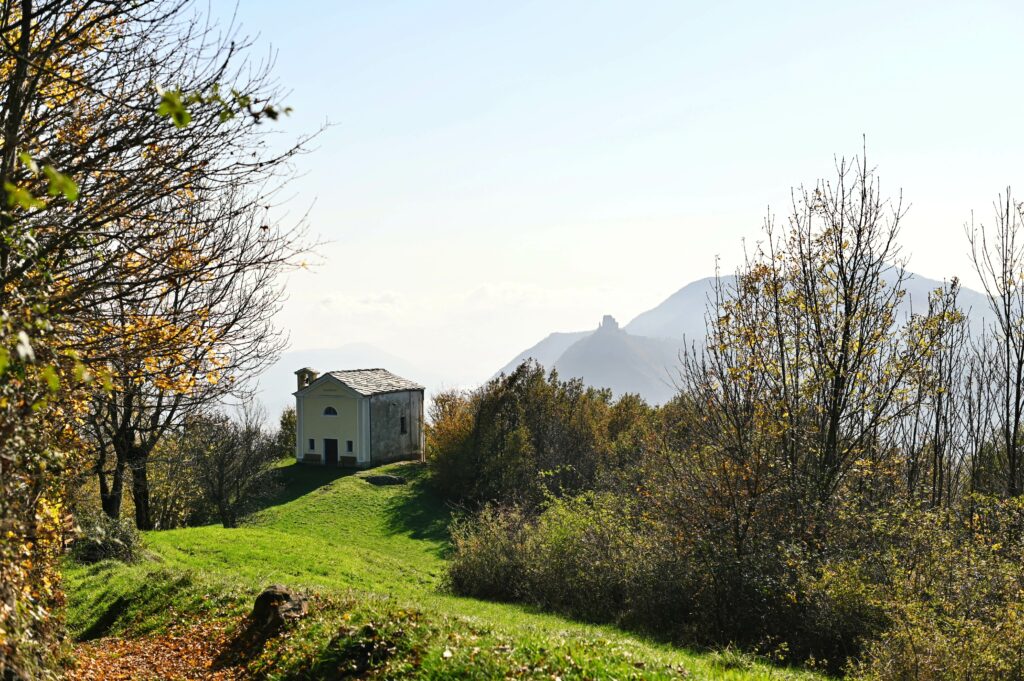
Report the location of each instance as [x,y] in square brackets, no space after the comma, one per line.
[910,593]
[951,583]
[529,434]
[600,557]
[665,538]
[101,537]
[490,557]
[579,556]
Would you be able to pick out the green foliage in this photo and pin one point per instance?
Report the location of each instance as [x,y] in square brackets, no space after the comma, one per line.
[21,197]
[526,435]
[582,554]
[172,106]
[372,559]
[951,582]
[60,184]
[489,560]
[900,592]
[175,104]
[284,436]
[101,537]
[596,556]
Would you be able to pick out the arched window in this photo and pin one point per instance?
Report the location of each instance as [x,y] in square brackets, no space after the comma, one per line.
[330,411]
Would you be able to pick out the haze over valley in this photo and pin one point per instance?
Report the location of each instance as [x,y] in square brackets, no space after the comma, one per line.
[640,357]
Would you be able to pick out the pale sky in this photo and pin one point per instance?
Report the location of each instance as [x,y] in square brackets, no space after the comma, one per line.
[501,170]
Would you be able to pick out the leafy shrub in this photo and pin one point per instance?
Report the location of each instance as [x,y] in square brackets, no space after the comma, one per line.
[605,557]
[683,545]
[488,560]
[654,525]
[101,537]
[951,582]
[583,551]
[590,556]
[524,436]
[837,609]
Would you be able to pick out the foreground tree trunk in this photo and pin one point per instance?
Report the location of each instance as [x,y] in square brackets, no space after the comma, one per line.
[140,493]
[227,518]
[111,492]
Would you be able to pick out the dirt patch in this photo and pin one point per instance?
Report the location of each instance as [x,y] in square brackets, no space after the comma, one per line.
[183,653]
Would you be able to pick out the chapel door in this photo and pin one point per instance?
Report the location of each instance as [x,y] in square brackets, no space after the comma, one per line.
[331,452]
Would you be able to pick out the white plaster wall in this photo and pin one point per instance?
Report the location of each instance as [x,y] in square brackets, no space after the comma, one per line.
[313,424]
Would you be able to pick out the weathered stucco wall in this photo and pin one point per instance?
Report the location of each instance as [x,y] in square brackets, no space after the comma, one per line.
[387,441]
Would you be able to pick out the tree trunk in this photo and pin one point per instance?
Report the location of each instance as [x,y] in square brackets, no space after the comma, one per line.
[140,495]
[112,493]
[13,107]
[227,516]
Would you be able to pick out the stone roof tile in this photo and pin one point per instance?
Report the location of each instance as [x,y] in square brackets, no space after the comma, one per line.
[374,381]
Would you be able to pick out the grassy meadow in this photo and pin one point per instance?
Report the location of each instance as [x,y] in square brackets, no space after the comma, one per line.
[372,560]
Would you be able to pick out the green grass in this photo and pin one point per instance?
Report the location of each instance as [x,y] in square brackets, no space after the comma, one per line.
[373,559]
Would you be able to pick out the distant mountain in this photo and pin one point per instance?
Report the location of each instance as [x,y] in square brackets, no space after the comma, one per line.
[643,357]
[547,351]
[612,358]
[681,315]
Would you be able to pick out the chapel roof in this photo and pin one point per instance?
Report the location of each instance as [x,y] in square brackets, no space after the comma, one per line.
[374,381]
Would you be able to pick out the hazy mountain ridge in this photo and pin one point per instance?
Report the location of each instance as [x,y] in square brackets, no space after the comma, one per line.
[612,358]
[548,350]
[643,356]
[681,315]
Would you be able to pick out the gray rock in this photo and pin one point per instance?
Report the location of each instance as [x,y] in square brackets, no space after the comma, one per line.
[385,480]
[277,606]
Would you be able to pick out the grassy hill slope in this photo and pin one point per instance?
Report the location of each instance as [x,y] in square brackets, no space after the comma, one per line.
[372,559]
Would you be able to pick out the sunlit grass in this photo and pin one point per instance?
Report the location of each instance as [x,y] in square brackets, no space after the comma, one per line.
[368,555]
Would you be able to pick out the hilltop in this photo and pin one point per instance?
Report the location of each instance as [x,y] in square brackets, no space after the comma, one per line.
[373,560]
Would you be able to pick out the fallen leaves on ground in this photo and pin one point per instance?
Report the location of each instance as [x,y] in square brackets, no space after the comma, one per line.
[183,653]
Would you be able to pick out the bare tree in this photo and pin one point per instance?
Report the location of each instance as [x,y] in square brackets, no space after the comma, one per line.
[936,442]
[808,375]
[981,418]
[196,340]
[178,309]
[233,459]
[998,258]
